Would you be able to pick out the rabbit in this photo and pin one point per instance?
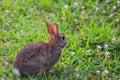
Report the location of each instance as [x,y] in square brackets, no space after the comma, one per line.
[39,57]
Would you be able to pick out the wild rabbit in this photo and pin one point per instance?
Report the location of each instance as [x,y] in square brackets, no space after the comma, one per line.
[40,57]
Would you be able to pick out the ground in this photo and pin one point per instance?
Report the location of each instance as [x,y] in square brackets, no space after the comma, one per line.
[92,29]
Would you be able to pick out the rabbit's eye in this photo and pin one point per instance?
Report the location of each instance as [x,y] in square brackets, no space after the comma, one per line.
[63,37]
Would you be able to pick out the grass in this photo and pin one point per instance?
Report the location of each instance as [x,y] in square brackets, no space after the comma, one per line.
[88,26]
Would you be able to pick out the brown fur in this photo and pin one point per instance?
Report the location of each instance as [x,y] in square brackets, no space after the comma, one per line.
[40,57]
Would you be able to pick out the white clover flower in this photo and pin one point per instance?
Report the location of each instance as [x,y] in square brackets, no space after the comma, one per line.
[111,15]
[83,13]
[97,8]
[11,15]
[66,6]
[96,3]
[82,7]
[103,11]
[113,39]
[117,20]
[106,46]
[75,4]
[73,53]
[113,73]
[107,53]
[77,75]
[114,7]
[52,15]
[75,20]
[108,1]
[6,64]
[97,71]
[62,63]
[88,51]
[62,18]
[105,72]
[7,11]
[76,69]
[118,3]
[99,47]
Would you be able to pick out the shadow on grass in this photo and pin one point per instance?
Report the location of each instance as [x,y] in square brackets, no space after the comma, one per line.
[67,73]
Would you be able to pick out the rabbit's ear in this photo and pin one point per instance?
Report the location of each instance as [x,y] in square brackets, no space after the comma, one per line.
[54,29]
[48,27]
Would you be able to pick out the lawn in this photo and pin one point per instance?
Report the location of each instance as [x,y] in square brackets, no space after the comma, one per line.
[92,29]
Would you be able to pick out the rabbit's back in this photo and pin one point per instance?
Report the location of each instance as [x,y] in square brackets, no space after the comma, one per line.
[32,49]
[32,59]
